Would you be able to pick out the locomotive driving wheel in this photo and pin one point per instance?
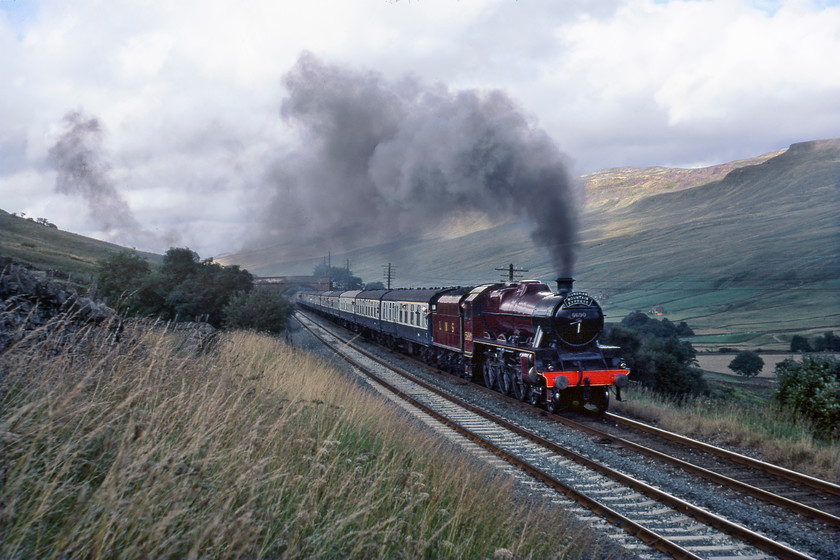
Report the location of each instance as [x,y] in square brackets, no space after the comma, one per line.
[506,381]
[520,389]
[560,401]
[489,374]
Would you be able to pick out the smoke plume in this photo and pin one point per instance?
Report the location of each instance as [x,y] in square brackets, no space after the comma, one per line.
[84,171]
[381,160]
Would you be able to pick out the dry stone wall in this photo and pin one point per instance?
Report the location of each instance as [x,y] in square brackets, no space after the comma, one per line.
[30,301]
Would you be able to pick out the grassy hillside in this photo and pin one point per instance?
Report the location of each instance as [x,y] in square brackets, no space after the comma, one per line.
[748,260]
[152,448]
[46,248]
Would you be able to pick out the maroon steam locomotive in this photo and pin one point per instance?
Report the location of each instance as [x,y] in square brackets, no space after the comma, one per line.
[520,338]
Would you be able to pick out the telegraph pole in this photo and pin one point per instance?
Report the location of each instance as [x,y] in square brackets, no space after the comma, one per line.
[388,272]
[513,273]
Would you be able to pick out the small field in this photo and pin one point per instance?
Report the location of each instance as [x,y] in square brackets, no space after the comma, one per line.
[719,363]
[729,316]
[156,446]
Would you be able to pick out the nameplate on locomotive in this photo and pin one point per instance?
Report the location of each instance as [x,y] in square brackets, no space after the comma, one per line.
[574,299]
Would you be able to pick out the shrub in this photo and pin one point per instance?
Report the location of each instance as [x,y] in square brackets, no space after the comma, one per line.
[812,388]
[183,288]
[259,310]
[663,364]
[747,363]
[119,276]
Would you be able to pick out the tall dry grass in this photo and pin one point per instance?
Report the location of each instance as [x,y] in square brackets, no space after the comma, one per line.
[769,432]
[147,448]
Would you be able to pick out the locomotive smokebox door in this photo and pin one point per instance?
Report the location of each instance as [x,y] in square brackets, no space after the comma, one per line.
[579,320]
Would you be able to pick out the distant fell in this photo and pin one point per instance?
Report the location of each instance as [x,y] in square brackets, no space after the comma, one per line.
[774,221]
[624,185]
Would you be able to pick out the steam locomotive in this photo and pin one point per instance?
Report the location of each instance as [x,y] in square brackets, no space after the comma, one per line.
[519,338]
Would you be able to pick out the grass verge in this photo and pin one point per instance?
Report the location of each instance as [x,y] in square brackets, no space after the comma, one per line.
[764,430]
[147,448]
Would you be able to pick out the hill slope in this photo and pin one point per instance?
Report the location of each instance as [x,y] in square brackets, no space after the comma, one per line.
[625,185]
[47,248]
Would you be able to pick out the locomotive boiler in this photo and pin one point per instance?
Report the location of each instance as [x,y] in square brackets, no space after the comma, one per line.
[521,338]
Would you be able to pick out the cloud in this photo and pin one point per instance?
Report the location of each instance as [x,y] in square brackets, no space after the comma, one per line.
[189,91]
[83,170]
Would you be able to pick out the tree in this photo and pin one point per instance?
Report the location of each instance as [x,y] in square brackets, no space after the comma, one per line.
[812,388]
[179,264]
[119,276]
[184,287]
[799,344]
[205,290]
[374,286]
[260,310]
[747,363]
[641,323]
[662,364]
[829,342]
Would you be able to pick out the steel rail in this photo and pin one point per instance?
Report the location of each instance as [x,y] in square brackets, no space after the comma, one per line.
[720,523]
[775,470]
[729,482]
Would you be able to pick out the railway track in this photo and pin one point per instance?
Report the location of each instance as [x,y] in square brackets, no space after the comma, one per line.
[670,524]
[799,493]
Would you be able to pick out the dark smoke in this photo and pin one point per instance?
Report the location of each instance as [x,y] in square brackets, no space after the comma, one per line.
[84,171]
[381,160]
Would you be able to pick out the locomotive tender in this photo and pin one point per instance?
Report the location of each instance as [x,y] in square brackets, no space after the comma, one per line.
[520,338]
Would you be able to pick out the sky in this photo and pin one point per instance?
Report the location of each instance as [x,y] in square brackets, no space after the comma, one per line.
[213,124]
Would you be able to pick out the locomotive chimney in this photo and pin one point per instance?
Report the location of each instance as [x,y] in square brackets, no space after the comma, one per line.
[564,285]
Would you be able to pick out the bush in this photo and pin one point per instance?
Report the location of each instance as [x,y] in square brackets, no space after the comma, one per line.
[665,328]
[119,278]
[747,363]
[664,365]
[258,310]
[183,288]
[812,388]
